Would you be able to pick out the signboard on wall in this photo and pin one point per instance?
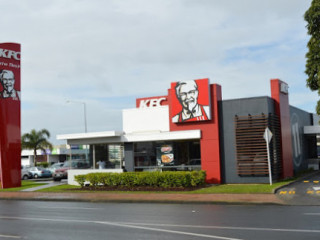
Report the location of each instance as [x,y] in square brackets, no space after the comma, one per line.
[191,101]
[10,136]
[151,102]
[165,155]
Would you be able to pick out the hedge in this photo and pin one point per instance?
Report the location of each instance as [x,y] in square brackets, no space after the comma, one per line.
[42,164]
[138,179]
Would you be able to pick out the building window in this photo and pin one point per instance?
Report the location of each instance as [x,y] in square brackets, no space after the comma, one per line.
[171,156]
[115,152]
[145,154]
[106,156]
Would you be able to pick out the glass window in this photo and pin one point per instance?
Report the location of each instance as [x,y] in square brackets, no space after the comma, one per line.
[115,152]
[106,156]
[145,154]
[179,155]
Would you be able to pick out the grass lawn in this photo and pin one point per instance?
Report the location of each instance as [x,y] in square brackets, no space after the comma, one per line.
[59,188]
[242,188]
[223,188]
[24,185]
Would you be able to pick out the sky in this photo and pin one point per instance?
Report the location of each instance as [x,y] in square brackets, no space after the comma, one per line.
[107,53]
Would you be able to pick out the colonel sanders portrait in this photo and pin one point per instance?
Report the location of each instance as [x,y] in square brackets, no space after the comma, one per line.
[7,81]
[187,93]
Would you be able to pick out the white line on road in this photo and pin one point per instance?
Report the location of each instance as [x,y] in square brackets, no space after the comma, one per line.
[76,208]
[169,231]
[311,213]
[10,236]
[136,225]
[121,225]
[226,227]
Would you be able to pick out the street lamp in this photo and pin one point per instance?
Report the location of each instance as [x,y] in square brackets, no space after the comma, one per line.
[84,111]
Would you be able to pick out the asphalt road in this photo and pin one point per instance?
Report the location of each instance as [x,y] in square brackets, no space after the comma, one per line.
[79,220]
[306,191]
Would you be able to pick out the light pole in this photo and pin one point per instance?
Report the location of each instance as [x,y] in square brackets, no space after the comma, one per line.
[85,125]
[84,111]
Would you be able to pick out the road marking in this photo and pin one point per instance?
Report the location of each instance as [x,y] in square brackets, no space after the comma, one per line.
[287,192]
[168,231]
[129,224]
[315,181]
[121,225]
[316,188]
[313,192]
[306,181]
[76,208]
[10,236]
[226,227]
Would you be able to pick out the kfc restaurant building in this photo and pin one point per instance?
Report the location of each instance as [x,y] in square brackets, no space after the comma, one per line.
[192,128]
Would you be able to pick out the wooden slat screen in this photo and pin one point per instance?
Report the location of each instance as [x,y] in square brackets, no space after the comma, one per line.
[252,158]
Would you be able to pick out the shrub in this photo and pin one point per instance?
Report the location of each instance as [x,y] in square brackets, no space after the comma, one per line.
[80,179]
[93,178]
[42,164]
[198,178]
[138,179]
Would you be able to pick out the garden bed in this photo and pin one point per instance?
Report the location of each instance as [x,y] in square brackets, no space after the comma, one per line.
[136,188]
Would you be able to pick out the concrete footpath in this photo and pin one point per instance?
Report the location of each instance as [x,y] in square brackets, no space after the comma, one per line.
[147,198]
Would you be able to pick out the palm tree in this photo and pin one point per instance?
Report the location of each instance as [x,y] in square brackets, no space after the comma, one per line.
[36,140]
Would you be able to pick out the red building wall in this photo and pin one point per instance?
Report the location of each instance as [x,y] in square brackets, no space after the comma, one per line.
[282,109]
[210,144]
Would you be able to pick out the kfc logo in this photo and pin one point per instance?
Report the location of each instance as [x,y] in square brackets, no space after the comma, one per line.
[7,81]
[148,103]
[5,53]
[191,101]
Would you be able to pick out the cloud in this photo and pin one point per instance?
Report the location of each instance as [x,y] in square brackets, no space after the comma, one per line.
[106,53]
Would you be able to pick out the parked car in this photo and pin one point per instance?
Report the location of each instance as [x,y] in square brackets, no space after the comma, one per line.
[55,166]
[25,174]
[40,172]
[62,173]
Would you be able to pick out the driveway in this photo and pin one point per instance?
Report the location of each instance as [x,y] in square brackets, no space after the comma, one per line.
[48,183]
[305,191]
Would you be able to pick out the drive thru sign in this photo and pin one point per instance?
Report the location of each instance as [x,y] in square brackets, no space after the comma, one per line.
[268,136]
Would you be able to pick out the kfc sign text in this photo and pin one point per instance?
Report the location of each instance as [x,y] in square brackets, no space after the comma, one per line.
[155,102]
[5,53]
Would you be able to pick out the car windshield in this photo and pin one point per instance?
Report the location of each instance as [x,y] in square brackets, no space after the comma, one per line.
[67,164]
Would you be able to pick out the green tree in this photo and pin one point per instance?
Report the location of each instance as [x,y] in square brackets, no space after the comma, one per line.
[36,140]
[312,17]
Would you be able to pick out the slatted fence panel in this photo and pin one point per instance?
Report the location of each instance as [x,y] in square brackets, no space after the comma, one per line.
[252,158]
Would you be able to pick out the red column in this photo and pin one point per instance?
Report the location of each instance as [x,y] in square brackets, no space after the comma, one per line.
[10,138]
[280,94]
[209,142]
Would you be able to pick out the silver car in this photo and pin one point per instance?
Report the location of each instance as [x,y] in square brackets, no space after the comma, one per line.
[55,166]
[25,174]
